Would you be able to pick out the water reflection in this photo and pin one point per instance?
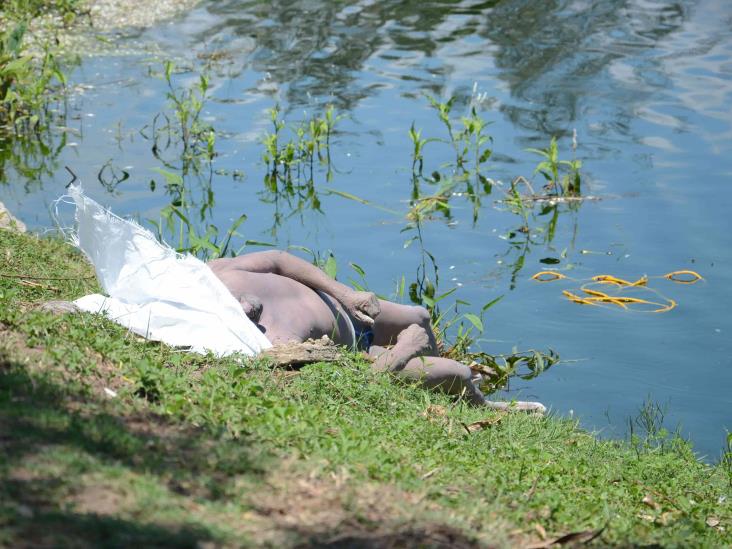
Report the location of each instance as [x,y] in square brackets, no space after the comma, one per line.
[30,158]
[549,54]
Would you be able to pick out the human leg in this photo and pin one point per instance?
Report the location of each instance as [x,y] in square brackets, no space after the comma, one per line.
[443,374]
[455,378]
[408,360]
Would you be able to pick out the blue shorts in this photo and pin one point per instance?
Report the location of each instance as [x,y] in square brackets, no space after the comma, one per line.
[364,338]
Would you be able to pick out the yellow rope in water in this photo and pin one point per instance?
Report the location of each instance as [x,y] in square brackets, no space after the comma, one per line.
[610,279]
[553,275]
[598,298]
[674,277]
[576,298]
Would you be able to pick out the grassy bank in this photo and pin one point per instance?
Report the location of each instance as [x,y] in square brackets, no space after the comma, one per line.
[108,439]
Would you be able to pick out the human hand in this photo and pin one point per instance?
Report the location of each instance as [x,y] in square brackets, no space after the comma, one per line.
[363,306]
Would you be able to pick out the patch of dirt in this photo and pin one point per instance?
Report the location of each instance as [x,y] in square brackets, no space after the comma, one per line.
[14,349]
[99,499]
[302,509]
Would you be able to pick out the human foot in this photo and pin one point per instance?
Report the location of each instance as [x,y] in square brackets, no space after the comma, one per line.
[412,342]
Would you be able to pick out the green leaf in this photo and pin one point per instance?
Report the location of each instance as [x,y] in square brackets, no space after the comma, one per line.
[171,178]
[168,65]
[355,198]
[230,233]
[331,267]
[491,303]
[358,269]
[447,293]
[475,321]
[16,38]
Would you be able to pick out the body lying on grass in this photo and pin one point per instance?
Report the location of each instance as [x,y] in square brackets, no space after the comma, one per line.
[291,300]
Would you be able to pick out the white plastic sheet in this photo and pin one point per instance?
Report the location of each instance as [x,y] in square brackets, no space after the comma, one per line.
[156,292]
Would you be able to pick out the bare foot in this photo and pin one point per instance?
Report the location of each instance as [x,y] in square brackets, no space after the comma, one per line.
[518,405]
[414,339]
[412,342]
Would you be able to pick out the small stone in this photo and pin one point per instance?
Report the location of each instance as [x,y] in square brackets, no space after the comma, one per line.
[59,307]
[712,522]
[25,511]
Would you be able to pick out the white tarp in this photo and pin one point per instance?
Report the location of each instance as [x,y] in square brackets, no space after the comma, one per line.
[156,292]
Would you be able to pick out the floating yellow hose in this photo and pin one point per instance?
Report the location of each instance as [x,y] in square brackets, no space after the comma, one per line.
[674,277]
[610,279]
[594,293]
[607,299]
[576,298]
[541,276]
[598,298]
[671,305]
[602,297]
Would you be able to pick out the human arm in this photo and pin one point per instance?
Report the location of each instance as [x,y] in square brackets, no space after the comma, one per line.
[363,306]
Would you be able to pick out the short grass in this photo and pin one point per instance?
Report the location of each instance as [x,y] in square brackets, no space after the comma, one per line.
[111,440]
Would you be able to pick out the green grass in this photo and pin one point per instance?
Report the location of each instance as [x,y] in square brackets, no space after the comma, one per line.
[196,449]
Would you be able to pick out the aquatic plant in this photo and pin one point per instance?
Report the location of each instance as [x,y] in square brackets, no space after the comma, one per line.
[27,84]
[562,176]
[31,158]
[471,146]
[285,156]
[186,146]
[292,153]
[197,137]
[206,244]
[727,457]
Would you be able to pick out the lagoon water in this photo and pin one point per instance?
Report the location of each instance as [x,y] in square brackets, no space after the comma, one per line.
[647,85]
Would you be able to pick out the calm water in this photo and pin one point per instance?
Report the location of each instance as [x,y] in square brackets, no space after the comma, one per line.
[647,85]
